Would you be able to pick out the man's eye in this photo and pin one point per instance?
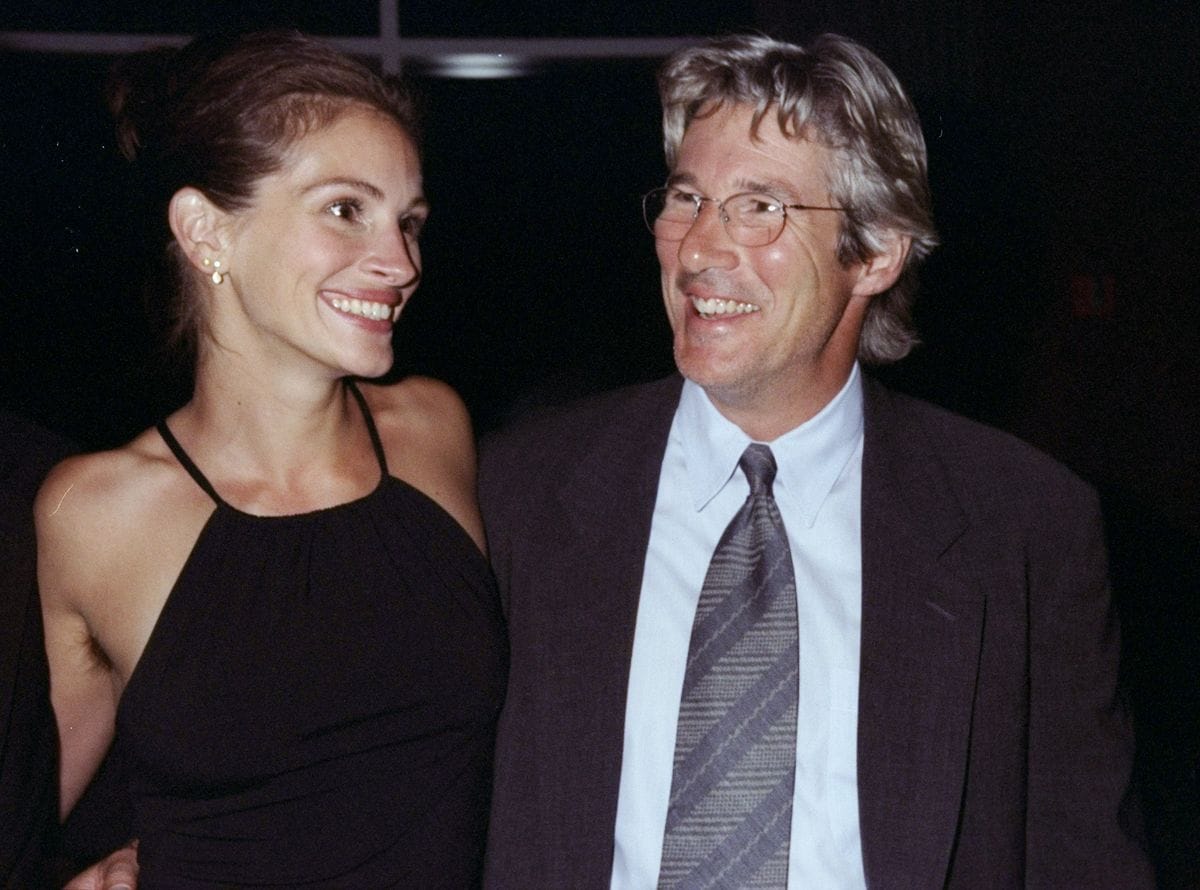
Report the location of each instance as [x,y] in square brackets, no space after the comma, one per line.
[349,210]
[757,205]
[681,199]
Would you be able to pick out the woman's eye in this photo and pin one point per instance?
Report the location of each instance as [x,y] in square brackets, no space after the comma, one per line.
[412,225]
[347,210]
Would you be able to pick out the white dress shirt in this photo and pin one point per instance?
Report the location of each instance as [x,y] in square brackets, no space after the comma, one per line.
[818,489]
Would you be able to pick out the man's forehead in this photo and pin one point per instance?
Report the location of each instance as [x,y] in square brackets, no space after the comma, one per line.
[751,149]
[757,121]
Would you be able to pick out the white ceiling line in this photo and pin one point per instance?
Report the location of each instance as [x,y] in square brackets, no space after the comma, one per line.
[391,50]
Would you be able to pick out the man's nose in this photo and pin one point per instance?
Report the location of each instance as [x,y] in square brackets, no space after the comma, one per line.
[707,244]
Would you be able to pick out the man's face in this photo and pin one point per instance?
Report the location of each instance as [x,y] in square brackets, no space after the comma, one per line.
[780,323]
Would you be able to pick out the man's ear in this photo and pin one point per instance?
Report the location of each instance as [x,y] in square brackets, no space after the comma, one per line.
[880,272]
[200,228]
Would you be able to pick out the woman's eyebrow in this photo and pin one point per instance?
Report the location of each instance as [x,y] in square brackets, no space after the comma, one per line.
[346,182]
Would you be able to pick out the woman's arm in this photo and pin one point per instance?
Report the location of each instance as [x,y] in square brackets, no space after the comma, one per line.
[82,680]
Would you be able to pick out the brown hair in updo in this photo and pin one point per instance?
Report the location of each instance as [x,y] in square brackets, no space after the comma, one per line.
[220,114]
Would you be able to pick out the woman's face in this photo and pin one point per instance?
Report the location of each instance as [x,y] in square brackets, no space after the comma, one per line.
[325,258]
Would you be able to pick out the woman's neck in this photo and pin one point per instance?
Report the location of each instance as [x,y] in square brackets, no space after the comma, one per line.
[282,433]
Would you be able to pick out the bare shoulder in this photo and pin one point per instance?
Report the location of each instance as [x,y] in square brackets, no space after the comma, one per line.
[113,528]
[427,437]
[422,415]
[418,402]
[89,498]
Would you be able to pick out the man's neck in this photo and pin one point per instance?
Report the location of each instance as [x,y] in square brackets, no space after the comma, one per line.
[766,415]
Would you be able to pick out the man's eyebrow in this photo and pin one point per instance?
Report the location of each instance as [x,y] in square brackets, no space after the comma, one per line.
[777,188]
[676,179]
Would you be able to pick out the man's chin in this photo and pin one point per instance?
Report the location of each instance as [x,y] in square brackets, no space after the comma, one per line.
[709,368]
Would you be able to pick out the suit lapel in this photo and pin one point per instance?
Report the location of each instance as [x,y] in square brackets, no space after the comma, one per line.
[608,503]
[16,575]
[922,620]
[606,506]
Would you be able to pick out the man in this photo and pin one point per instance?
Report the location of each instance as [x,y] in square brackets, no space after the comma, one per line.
[955,721]
[28,783]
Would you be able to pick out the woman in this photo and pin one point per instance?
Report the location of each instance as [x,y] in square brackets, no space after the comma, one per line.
[276,599]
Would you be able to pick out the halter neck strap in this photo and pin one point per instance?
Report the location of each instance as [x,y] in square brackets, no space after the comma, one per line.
[188,464]
[376,443]
[194,471]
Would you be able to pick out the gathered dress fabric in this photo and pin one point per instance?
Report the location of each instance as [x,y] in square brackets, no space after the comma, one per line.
[316,705]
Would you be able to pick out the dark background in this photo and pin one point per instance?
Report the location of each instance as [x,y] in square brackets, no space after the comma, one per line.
[1063,142]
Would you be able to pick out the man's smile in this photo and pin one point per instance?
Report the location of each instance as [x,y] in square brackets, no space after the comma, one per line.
[715,307]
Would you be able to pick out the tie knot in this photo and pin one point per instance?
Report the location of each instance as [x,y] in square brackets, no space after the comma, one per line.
[758,463]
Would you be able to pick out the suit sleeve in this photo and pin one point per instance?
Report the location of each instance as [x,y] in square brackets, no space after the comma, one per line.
[1082,825]
[28,739]
[494,500]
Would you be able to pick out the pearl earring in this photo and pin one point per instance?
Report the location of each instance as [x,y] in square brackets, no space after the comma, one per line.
[217,276]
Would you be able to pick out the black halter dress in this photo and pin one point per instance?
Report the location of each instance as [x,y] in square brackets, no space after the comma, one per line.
[317,703]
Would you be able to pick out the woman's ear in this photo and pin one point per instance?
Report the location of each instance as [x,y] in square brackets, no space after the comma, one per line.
[200,229]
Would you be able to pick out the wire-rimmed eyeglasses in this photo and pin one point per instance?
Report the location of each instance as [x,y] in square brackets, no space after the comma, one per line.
[752,219]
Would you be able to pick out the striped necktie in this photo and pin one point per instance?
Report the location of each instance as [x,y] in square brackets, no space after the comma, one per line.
[730,815]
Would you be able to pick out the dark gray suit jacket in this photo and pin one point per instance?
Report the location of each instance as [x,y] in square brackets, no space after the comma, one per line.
[28,739]
[992,748]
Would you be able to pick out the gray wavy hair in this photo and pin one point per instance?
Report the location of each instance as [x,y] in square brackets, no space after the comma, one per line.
[840,94]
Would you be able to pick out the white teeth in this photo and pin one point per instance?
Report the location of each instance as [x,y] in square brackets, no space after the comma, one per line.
[366,308]
[714,308]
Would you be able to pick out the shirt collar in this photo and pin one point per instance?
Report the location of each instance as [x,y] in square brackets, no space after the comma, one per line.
[810,457]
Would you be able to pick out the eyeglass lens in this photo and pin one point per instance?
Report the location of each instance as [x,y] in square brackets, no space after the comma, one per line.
[752,220]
